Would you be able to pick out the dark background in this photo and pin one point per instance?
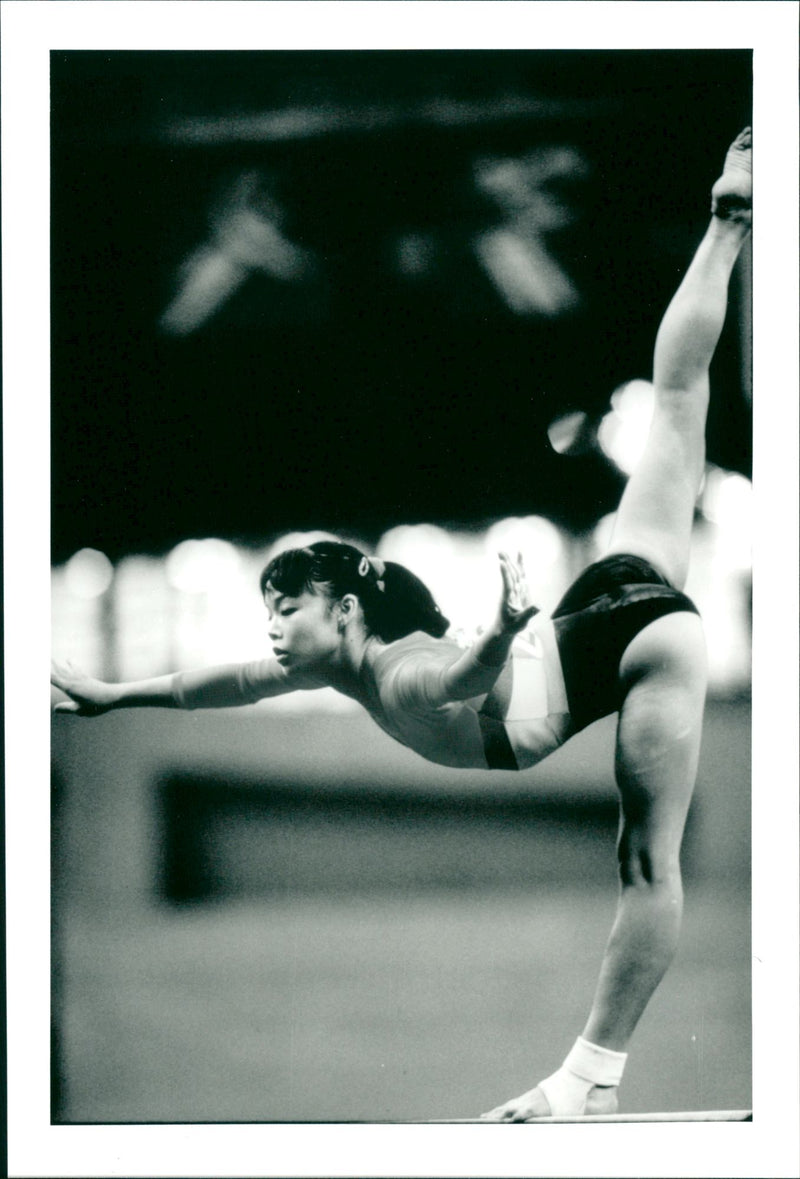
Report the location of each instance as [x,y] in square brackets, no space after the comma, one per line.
[361,398]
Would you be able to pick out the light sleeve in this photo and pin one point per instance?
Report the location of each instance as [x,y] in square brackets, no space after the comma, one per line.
[436,674]
[233,685]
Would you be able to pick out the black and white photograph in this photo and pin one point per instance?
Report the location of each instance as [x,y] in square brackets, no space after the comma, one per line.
[407,523]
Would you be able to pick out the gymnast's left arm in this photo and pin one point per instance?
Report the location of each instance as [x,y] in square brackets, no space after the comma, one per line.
[475,671]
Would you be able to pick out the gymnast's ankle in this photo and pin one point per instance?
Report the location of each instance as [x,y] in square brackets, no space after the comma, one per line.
[587,1081]
[732,194]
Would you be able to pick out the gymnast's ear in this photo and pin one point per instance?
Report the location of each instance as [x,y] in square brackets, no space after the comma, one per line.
[348,606]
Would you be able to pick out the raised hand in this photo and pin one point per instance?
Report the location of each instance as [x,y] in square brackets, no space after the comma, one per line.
[516,609]
[87,696]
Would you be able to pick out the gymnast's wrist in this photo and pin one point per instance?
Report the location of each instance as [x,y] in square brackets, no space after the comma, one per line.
[492,648]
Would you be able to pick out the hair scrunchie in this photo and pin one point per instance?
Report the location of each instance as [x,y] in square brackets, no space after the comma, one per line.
[375,566]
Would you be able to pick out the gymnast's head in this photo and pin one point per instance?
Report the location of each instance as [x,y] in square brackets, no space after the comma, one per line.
[386,598]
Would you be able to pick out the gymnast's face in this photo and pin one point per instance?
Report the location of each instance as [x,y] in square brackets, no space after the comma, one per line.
[304,628]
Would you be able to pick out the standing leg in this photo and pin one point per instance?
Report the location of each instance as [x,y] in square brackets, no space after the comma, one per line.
[662,673]
[658,744]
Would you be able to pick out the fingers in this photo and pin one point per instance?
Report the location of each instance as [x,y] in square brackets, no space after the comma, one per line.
[515,585]
[508,582]
[61,673]
[63,676]
[510,572]
[516,609]
[66,675]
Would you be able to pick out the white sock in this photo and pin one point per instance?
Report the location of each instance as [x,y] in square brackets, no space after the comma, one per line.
[586,1065]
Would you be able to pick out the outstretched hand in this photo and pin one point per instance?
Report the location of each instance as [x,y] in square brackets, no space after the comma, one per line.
[516,609]
[87,696]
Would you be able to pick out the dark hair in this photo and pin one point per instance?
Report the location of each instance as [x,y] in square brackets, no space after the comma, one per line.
[395,602]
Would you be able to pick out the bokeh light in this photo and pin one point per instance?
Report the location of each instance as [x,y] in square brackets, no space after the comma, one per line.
[622,433]
[202,566]
[727,503]
[143,615]
[569,434]
[727,498]
[540,544]
[88,574]
[427,550]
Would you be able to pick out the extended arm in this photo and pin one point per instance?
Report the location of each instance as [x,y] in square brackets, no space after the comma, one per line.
[226,686]
[477,670]
[441,676]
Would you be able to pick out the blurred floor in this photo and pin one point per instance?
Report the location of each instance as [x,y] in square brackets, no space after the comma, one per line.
[382,1007]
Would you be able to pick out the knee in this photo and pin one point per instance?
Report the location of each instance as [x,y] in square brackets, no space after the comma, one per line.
[649,868]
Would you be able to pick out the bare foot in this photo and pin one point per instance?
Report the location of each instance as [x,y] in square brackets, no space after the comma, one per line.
[732,195]
[533,1104]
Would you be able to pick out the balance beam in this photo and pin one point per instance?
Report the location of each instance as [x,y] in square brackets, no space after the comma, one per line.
[709,1115]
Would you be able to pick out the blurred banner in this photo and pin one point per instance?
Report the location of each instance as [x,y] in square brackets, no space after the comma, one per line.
[355,290]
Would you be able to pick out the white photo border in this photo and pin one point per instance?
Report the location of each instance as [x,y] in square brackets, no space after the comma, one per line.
[768,1146]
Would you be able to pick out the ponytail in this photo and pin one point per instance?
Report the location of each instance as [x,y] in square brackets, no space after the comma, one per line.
[394,600]
[405,605]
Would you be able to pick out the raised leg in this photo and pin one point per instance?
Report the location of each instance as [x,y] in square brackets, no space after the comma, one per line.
[662,673]
[654,519]
[663,669]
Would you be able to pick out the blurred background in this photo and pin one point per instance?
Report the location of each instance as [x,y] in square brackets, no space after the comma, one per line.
[407,299]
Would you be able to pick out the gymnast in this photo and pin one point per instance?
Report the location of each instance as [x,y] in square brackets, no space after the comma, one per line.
[624,638]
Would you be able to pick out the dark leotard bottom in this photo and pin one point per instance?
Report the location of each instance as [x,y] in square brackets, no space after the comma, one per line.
[595,621]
